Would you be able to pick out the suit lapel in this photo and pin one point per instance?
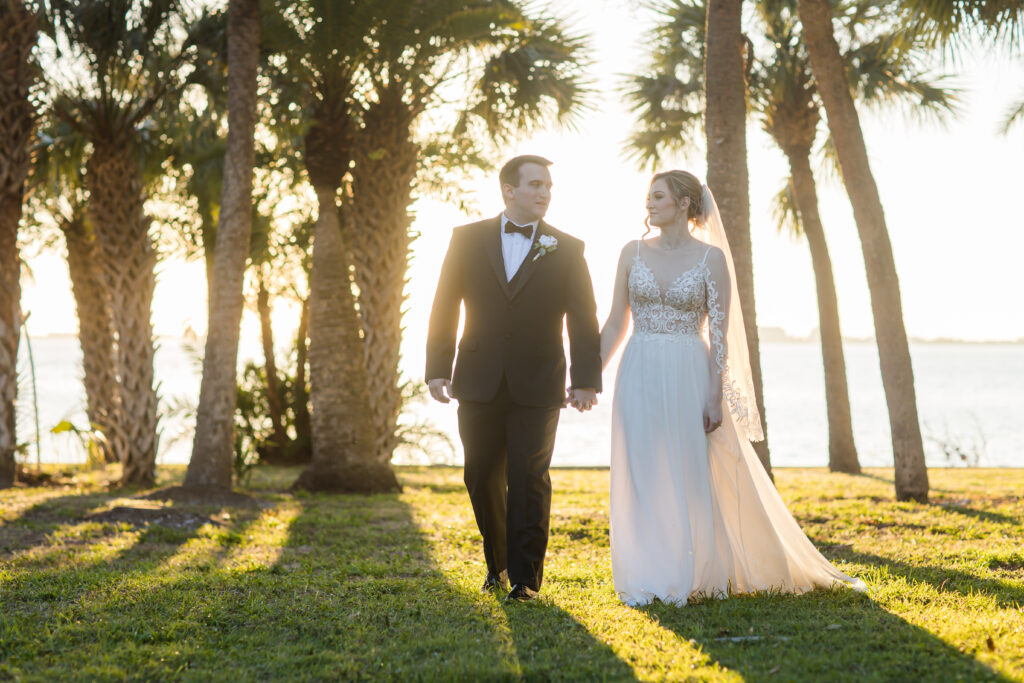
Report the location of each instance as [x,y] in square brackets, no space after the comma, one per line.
[529,263]
[494,255]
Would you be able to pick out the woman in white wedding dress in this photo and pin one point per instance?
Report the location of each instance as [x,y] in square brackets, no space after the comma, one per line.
[693,512]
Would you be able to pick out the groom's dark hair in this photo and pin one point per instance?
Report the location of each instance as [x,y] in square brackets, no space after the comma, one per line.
[509,173]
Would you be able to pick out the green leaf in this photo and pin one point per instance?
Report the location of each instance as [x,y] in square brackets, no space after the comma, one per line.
[62,427]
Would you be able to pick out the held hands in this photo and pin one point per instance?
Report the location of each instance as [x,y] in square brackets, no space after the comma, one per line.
[712,415]
[440,389]
[581,399]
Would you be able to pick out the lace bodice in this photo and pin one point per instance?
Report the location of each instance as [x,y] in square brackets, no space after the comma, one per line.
[680,310]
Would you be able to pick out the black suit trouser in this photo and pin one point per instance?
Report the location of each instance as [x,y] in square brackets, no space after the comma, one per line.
[508,450]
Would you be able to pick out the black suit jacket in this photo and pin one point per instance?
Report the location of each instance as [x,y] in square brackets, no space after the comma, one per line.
[514,329]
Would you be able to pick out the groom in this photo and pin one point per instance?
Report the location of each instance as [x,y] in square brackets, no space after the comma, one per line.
[518,278]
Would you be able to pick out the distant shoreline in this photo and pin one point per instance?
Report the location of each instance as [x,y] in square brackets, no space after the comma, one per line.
[770,335]
[777,335]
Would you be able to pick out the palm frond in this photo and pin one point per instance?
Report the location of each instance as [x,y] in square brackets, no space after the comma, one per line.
[828,166]
[669,116]
[115,61]
[886,71]
[951,23]
[785,214]
[1013,115]
[537,76]
[668,102]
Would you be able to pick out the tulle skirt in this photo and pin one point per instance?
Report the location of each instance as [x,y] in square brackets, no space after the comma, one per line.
[694,514]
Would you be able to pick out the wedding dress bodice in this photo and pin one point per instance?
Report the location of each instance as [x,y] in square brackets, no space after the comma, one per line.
[680,310]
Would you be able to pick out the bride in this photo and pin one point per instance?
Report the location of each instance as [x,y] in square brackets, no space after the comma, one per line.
[693,513]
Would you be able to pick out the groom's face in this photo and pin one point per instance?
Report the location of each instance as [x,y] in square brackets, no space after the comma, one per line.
[528,201]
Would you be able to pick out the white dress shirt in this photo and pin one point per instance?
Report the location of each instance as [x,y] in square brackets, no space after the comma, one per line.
[515,247]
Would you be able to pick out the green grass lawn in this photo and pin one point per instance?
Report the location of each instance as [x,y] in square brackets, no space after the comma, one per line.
[99,584]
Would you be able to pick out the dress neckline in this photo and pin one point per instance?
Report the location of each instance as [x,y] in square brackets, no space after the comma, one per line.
[662,293]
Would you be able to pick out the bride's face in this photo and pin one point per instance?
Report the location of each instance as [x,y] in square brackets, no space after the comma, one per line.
[662,208]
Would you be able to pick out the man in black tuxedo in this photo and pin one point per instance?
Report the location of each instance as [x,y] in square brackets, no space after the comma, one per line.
[519,278]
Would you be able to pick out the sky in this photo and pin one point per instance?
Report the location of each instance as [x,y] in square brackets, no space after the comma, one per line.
[951,197]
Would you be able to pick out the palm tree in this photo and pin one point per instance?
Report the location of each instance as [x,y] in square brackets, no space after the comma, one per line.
[323,45]
[789,113]
[125,63]
[782,94]
[213,444]
[785,98]
[528,71]
[725,125]
[830,75]
[58,190]
[17,121]
[364,99]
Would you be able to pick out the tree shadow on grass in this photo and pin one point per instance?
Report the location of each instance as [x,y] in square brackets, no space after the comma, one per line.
[1007,594]
[53,520]
[358,585]
[551,645]
[818,636]
[892,482]
[356,593]
[984,515]
[70,595]
[316,587]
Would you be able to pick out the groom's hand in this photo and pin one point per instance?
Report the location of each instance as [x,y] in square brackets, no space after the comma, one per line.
[583,399]
[440,389]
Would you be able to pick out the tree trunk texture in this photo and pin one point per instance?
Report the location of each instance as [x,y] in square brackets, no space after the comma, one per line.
[95,335]
[343,457]
[10,330]
[887,308]
[213,446]
[273,382]
[382,181]
[127,260]
[300,393]
[842,453]
[17,36]
[725,124]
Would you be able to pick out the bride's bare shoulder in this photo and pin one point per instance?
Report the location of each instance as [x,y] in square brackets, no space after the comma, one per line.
[629,250]
[713,252]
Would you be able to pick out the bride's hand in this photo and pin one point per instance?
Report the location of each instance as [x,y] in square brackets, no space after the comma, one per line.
[712,416]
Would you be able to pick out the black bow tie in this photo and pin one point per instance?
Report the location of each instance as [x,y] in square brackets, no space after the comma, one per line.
[524,230]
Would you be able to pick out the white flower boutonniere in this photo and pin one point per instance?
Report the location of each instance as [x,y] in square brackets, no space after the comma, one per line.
[545,245]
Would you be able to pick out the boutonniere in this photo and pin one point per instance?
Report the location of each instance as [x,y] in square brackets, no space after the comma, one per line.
[545,245]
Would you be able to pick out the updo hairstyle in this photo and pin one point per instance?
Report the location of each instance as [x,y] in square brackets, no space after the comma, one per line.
[683,184]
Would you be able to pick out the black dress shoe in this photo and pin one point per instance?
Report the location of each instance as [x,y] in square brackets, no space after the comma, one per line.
[495,582]
[521,593]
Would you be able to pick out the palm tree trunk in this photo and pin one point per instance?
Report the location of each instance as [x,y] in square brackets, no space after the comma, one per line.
[842,453]
[273,382]
[212,448]
[95,335]
[17,36]
[342,445]
[10,327]
[127,261]
[886,306]
[382,181]
[725,124]
[300,393]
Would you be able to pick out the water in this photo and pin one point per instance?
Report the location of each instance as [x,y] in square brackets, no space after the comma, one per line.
[969,394]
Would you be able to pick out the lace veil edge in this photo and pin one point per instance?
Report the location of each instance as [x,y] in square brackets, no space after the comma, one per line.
[731,352]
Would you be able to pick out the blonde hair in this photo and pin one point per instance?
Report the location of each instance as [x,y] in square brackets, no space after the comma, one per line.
[683,184]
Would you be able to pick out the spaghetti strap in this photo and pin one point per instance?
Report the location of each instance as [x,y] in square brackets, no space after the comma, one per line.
[705,259]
